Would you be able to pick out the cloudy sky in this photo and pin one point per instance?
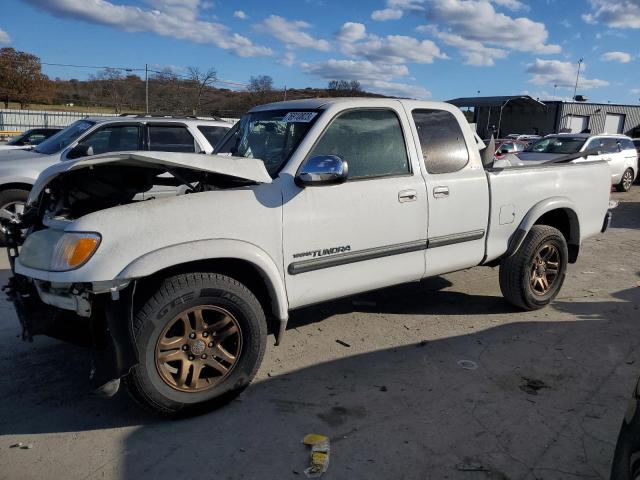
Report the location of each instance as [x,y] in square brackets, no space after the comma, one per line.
[437,49]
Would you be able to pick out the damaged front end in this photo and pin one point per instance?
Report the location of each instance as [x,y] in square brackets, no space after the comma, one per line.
[51,294]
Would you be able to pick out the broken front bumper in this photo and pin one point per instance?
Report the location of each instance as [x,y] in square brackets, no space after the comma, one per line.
[107,330]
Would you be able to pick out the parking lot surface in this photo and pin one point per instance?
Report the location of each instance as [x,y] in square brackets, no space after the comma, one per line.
[439,379]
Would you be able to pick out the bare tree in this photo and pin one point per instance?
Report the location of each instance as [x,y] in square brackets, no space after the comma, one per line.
[260,84]
[111,80]
[203,81]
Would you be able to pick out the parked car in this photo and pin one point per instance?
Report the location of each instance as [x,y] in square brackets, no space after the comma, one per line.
[306,201]
[30,138]
[505,146]
[94,135]
[617,150]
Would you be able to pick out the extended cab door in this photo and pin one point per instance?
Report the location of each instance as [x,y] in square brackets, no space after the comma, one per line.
[368,232]
[457,189]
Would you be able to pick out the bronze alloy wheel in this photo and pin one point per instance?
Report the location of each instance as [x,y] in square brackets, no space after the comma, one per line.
[545,269]
[198,348]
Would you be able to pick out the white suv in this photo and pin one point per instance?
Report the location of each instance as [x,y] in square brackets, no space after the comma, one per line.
[94,135]
[617,150]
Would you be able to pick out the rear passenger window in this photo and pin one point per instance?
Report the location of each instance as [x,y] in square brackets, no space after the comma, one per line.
[213,134]
[170,138]
[609,145]
[371,141]
[627,144]
[442,141]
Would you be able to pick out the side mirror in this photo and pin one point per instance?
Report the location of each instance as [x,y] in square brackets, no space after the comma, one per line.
[80,150]
[322,170]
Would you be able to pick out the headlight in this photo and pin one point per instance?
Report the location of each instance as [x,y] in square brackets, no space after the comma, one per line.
[57,251]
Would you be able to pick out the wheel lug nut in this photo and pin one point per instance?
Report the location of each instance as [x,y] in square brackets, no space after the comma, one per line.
[203,356]
[191,357]
[192,335]
[205,334]
[185,347]
[210,344]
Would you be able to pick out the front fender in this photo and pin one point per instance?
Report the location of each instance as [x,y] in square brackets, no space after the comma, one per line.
[539,209]
[178,254]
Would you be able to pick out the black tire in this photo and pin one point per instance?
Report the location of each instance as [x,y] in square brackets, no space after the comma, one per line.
[176,295]
[626,181]
[626,458]
[11,197]
[516,270]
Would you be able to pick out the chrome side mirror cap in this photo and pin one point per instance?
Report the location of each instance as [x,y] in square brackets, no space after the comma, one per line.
[322,170]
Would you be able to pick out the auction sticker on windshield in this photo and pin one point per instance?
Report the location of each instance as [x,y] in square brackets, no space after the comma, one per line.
[301,117]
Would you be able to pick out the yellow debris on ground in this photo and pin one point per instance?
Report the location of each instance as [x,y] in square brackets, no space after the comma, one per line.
[319,454]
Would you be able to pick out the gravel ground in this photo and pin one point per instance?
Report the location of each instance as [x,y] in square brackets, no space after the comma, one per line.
[542,396]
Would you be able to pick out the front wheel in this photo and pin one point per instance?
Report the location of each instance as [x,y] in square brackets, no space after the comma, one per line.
[626,181]
[12,203]
[531,278]
[200,340]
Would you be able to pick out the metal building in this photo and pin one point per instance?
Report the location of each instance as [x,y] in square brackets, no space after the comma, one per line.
[525,115]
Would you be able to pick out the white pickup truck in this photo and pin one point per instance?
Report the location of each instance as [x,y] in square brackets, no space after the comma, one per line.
[302,202]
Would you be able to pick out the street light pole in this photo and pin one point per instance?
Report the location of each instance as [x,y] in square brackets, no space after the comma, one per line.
[575,89]
[146,89]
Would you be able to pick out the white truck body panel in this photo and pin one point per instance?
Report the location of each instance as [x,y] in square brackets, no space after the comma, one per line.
[364,233]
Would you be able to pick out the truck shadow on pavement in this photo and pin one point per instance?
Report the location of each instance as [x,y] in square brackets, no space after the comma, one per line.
[536,399]
[625,215]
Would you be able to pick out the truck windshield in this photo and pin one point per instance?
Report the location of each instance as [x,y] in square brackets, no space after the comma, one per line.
[270,136]
[64,138]
[563,145]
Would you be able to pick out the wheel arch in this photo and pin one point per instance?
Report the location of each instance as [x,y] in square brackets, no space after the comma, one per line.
[16,186]
[557,212]
[240,260]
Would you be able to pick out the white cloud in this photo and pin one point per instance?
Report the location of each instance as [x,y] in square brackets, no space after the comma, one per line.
[620,57]
[386,14]
[288,59]
[563,74]
[5,39]
[614,13]
[393,49]
[396,89]
[354,70]
[176,20]
[478,20]
[291,33]
[240,14]
[474,52]
[514,5]
[351,32]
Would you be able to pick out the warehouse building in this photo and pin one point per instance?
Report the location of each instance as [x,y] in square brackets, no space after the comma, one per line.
[523,114]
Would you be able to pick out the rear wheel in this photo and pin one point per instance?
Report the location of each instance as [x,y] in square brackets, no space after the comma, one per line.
[200,339]
[626,181]
[532,277]
[12,203]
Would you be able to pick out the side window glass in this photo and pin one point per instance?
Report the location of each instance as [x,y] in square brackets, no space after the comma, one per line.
[170,138]
[442,141]
[371,141]
[213,134]
[114,138]
[610,145]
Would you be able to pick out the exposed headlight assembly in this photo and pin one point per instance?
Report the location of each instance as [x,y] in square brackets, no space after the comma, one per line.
[58,251]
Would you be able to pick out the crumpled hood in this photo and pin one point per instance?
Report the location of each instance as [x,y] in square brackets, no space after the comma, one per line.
[238,167]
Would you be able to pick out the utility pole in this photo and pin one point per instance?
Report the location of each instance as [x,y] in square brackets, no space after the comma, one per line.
[575,89]
[285,92]
[146,89]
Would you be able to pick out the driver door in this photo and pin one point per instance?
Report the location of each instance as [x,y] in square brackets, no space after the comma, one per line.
[368,232]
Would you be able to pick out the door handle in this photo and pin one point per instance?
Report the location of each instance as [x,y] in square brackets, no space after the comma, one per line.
[407,196]
[441,192]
